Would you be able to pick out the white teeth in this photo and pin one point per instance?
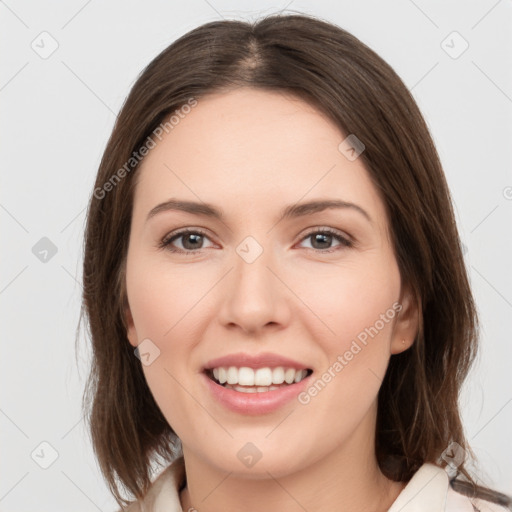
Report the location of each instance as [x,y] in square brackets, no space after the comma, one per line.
[232,375]
[278,375]
[253,389]
[242,389]
[222,375]
[289,375]
[246,376]
[263,379]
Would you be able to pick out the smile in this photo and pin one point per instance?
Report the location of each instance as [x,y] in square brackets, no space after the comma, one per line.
[260,380]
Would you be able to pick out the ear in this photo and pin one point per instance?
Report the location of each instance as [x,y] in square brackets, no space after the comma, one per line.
[131,333]
[407,322]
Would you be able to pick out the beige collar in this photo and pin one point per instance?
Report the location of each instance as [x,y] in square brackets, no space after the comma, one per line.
[425,492]
[428,491]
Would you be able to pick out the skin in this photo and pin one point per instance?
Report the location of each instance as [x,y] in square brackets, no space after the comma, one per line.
[250,153]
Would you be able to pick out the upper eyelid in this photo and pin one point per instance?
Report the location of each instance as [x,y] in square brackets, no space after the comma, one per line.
[336,231]
[183,232]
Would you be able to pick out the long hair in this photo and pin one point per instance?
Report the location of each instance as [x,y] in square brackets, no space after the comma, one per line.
[418,403]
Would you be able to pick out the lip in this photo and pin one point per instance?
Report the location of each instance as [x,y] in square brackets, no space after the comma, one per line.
[254,403]
[263,360]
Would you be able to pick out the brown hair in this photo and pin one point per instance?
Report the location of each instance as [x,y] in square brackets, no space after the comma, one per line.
[418,411]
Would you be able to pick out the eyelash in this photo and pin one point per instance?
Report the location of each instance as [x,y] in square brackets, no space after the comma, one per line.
[165,243]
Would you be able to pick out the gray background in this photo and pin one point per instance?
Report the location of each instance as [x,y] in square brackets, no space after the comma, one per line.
[57,113]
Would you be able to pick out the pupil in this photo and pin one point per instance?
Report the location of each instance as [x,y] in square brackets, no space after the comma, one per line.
[194,237]
[322,238]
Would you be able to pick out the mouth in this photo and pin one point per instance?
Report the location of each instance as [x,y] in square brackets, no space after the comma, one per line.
[245,379]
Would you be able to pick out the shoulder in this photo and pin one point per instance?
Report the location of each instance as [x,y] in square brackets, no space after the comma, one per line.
[163,494]
[430,489]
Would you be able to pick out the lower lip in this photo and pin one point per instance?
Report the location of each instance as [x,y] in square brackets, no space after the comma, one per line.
[254,403]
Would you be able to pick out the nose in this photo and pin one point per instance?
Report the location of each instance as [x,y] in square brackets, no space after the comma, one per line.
[254,298]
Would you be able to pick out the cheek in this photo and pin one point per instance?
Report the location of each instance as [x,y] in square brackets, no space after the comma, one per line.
[162,313]
[359,309]
[163,297]
[166,308]
[353,303]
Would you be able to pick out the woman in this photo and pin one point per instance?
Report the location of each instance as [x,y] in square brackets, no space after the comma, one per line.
[276,293]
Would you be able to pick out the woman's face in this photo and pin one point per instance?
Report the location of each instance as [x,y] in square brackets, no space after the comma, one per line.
[317,289]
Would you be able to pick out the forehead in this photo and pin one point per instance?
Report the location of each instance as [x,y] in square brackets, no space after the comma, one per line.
[252,150]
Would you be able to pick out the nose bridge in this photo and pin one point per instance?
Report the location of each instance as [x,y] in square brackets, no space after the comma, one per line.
[253,298]
[251,273]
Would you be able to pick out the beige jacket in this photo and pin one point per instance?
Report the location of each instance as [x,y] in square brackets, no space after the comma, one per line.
[428,490]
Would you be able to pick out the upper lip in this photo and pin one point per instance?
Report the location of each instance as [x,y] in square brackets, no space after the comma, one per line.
[262,360]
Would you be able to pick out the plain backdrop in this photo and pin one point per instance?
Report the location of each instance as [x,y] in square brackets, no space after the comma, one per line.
[66,69]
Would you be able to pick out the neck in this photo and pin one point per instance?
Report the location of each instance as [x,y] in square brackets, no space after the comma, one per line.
[348,479]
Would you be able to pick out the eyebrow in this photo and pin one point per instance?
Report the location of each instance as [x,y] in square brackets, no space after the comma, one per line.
[290,211]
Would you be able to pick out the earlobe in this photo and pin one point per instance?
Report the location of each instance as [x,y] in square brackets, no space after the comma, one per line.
[406,325]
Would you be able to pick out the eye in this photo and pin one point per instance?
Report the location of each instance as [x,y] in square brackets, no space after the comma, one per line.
[192,241]
[324,237]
